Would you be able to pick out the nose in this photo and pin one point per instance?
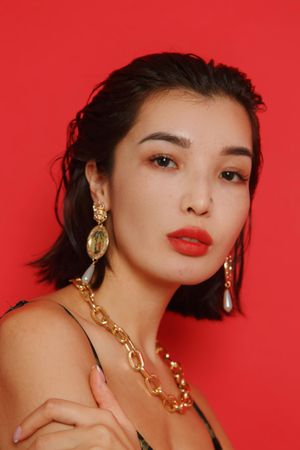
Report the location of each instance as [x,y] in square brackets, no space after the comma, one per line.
[197,197]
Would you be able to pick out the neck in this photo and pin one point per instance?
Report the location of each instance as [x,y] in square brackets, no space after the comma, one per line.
[135,303]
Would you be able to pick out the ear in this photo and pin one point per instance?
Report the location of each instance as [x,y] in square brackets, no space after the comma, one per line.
[99,184]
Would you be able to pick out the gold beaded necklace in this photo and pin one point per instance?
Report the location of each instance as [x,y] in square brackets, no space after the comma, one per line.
[135,358]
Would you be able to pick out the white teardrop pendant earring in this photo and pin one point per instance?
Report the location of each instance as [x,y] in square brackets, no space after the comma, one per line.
[97,241]
[227,301]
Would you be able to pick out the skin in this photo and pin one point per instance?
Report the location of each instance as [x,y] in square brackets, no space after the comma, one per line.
[156,187]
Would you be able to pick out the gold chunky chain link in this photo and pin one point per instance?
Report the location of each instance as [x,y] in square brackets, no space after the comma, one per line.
[135,358]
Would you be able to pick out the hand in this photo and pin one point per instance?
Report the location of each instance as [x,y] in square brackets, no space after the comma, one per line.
[103,428]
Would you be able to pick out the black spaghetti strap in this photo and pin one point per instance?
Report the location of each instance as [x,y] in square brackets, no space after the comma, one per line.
[17,305]
[144,445]
[91,344]
[214,438]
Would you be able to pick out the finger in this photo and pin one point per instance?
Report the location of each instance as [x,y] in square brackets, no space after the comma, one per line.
[106,399]
[62,440]
[61,411]
[80,438]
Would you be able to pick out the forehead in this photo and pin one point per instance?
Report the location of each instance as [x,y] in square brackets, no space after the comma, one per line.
[194,116]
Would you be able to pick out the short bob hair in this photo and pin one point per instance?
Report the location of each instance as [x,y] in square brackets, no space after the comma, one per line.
[93,134]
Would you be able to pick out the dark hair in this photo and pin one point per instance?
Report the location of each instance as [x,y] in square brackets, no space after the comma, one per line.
[108,116]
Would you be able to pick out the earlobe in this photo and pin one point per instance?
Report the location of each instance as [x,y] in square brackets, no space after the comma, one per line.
[99,184]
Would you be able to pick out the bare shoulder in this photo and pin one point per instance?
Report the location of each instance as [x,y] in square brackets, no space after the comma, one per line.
[43,354]
[21,325]
[42,315]
[211,417]
[38,318]
[38,334]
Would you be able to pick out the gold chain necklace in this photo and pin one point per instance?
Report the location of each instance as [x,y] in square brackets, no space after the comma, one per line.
[135,358]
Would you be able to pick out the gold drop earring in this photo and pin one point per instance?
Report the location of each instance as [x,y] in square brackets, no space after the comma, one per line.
[97,241]
[227,301]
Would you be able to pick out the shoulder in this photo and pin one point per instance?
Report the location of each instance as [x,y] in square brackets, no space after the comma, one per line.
[212,419]
[43,354]
[40,325]
[35,319]
[25,320]
[44,344]
[45,314]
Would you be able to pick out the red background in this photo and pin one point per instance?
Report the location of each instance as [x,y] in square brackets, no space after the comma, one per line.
[52,54]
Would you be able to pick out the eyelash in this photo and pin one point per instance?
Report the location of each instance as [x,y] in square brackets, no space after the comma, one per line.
[230,173]
[166,157]
[241,178]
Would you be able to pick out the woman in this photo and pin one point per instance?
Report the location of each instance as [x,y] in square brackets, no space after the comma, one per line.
[165,157]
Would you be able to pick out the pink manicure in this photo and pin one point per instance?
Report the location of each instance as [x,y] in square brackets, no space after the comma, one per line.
[100,373]
[17,434]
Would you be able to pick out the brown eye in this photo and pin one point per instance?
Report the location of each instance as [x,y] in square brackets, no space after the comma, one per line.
[164,161]
[231,175]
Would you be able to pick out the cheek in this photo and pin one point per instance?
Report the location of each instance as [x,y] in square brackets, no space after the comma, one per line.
[135,205]
[233,216]
[243,210]
[240,208]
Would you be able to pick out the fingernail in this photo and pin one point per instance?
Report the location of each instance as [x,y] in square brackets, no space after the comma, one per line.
[17,434]
[100,372]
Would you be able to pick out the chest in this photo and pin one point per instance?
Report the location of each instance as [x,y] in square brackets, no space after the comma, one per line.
[174,432]
[161,429]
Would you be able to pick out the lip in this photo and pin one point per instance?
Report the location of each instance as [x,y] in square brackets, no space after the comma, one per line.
[190,248]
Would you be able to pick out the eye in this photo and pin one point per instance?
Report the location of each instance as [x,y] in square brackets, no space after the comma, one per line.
[163,161]
[234,176]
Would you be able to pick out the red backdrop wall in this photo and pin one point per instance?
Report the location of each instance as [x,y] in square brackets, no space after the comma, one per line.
[52,54]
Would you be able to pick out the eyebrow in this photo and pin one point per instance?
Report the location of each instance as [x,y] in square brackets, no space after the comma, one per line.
[172,138]
[237,151]
[186,143]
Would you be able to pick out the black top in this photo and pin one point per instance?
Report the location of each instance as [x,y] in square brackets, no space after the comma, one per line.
[144,444]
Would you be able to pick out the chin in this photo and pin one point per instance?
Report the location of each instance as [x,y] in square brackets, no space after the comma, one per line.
[190,278]
[193,282]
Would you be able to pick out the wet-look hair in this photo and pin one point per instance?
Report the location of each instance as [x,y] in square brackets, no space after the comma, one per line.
[94,133]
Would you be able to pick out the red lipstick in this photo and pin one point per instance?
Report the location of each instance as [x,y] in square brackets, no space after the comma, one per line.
[191,241]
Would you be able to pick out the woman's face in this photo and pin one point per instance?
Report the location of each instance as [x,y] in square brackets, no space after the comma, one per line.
[185,163]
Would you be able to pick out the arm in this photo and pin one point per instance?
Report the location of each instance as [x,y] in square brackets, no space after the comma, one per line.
[43,354]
